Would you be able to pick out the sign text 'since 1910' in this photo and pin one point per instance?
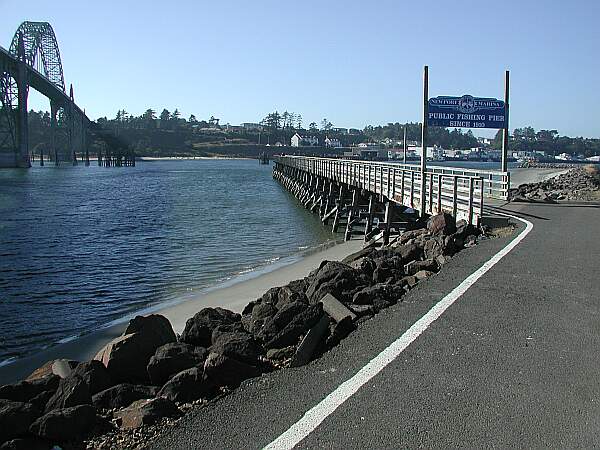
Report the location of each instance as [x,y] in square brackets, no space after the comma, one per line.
[466,112]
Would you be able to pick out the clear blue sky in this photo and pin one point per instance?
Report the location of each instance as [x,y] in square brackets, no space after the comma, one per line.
[354,62]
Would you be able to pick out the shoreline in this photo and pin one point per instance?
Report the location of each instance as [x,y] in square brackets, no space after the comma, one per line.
[233,294]
[186,158]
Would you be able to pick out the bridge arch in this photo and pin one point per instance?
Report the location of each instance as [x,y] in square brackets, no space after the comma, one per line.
[41,50]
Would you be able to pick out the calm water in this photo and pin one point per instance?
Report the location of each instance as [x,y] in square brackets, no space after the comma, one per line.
[81,247]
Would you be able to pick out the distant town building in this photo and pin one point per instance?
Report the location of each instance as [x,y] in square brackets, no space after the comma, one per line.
[485,141]
[565,157]
[304,141]
[368,151]
[354,131]
[252,126]
[233,128]
[332,142]
[340,130]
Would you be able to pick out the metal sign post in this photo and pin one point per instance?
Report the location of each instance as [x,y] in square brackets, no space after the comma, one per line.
[505,129]
[424,138]
[405,146]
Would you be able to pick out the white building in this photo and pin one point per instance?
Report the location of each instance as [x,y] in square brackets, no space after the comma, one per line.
[565,157]
[304,141]
[332,142]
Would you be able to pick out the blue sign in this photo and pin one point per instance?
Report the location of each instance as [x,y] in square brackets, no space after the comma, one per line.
[466,112]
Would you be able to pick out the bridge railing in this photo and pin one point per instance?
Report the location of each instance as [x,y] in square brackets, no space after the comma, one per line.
[458,194]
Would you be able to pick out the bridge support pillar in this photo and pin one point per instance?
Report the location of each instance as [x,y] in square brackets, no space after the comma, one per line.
[53,125]
[84,141]
[71,134]
[22,155]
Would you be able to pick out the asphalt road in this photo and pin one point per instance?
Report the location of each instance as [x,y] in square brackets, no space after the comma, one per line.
[513,363]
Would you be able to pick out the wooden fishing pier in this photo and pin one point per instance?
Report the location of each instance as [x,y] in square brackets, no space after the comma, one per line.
[379,199]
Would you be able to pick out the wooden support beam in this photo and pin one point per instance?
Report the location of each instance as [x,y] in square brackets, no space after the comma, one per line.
[327,216]
[369,224]
[340,208]
[388,222]
[351,212]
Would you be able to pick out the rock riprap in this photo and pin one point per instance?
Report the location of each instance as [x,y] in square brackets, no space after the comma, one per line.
[147,374]
[582,183]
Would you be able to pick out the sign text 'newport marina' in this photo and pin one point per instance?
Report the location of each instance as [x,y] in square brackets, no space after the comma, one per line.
[466,112]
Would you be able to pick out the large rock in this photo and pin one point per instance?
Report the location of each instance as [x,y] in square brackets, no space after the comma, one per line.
[288,295]
[65,424]
[127,356]
[276,323]
[369,294]
[95,374]
[441,224]
[41,400]
[237,345]
[60,367]
[299,325]
[409,235]
[198,330]
[187,386]
[15,419]
[366,265]
[333,278]
[409,251]
[225,371]
[24,391]
[122,395]
[72,391]
[154,325]
[261,312]
[415,266]
[172,358]
[237,327]
[146,412]
[434,247]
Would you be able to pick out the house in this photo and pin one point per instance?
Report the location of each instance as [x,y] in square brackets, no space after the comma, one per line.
[485,141]
[304,141]
[332,142]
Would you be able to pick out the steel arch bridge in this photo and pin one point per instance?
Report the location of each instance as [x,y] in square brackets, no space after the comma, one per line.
[33,60]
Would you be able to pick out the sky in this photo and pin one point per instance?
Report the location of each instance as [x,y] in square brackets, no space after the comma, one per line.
[353,62]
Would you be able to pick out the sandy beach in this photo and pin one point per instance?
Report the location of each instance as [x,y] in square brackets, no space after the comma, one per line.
[525,175]
[232,296]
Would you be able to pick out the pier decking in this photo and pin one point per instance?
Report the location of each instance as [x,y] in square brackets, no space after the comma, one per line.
[394,195]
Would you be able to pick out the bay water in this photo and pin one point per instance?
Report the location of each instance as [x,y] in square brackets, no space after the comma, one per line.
[81,247]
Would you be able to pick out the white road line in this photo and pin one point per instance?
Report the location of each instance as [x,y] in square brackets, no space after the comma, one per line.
[313,418]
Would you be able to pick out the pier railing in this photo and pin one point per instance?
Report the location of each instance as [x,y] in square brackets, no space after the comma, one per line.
[454,191]
[495,182]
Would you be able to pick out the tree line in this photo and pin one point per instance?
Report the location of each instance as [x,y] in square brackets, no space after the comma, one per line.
[144,132]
